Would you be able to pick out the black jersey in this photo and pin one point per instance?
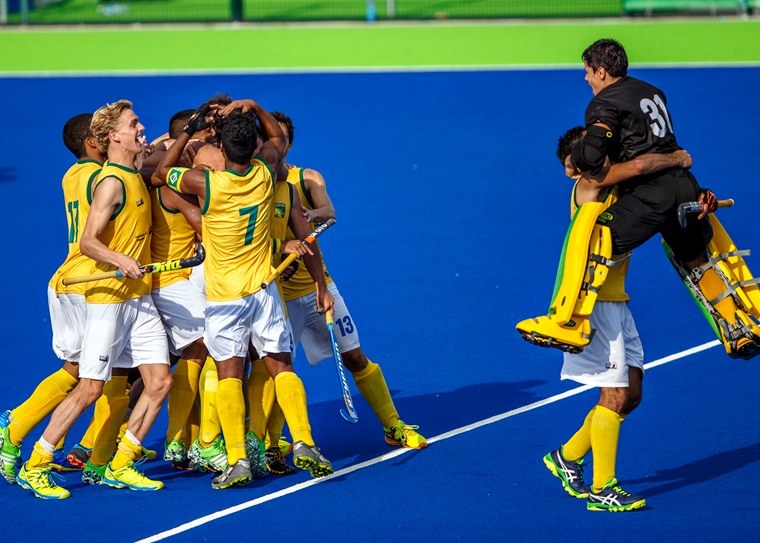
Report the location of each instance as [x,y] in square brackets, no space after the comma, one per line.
[636,113]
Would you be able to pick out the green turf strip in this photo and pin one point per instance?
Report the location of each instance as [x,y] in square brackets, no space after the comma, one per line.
[49,49]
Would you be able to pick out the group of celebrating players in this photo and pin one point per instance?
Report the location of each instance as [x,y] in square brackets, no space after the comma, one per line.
[215,188]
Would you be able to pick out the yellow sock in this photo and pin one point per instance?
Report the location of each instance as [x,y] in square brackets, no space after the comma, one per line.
[291,395]
[711,286]
[231,409]
[40,457]
[88,439]
[260,399]
[192,428]
[129,450]
[182,396]
[49,393]
[371,384]
[210,427]
[275,423]
[605,432]
[109,409]
[578,445]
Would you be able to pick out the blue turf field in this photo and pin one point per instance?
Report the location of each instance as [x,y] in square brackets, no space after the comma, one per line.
[452,210]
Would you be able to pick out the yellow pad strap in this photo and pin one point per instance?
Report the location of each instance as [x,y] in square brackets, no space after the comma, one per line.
[734,267]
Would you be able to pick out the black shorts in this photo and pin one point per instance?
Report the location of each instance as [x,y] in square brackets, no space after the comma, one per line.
[650,206]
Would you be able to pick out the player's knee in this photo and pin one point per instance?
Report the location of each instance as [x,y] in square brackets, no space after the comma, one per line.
[355,360]
[158,386]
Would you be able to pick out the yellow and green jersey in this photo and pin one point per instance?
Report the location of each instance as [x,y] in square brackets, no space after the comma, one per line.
[301,283]
[76,184]
[173,237]
[127,232]
[613,289]
[237,215]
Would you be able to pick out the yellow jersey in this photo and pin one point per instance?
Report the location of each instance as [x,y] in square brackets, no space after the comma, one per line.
[127,232]
[237,215]
[173,237]
[301,283]
[613,289]
[76,184]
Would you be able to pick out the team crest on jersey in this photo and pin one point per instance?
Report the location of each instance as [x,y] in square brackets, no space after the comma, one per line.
[279,210]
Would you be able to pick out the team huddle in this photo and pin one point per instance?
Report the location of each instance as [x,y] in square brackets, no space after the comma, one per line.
[216,188]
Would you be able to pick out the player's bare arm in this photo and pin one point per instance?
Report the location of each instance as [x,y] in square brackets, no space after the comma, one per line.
[312,261]
[187,204]
[274,149]
[641,165]
[108,196]
[323,207]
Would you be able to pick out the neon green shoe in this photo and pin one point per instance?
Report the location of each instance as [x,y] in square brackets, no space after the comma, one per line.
[92,474]
[147,455]
[40,482]
[211,458]
[129,477]
[404,435]
[255,450]
[174,451]
[10,454]
[613,498]
[285,446]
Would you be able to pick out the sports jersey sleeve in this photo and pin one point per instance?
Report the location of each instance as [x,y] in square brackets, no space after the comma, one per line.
[601,110]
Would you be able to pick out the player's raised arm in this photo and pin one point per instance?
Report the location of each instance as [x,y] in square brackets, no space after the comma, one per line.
[179,179]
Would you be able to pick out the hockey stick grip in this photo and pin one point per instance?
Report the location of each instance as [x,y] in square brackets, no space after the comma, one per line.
[292,256]
[92,277]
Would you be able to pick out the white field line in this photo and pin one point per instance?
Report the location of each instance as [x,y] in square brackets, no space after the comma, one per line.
[398,452]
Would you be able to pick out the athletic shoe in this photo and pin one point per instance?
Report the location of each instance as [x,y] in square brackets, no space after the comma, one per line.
[129,477]
[10,454]
[238,474]
[276,463]
[79,456]
[285,446]
[147,455]
[40,482]
[613,498]
[309,458]
[211,458]
[255,451]
[61,462]
[570,473]
[92,474]
[174,451]
[404,435]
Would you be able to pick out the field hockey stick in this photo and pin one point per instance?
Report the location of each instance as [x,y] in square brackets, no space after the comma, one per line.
[292,256]
[349,413]
[157,267]
[696,207]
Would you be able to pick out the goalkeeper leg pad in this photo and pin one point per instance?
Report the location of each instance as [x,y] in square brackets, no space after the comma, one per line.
[582,271]
[735,324]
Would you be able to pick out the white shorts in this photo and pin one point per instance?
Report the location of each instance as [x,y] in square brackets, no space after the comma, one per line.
[615,347]
[67,318]
[124,335]
[198,279]
[309,326]
[183,311]
[258,319]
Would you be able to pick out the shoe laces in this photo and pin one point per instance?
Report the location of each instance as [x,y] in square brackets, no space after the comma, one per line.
[46,478]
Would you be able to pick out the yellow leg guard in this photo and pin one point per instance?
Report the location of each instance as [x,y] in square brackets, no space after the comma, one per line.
[582,271]
[734,311]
